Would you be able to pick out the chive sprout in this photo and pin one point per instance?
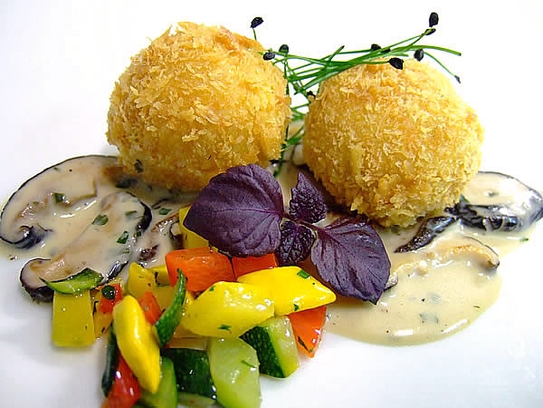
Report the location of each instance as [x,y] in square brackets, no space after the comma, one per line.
[304,74]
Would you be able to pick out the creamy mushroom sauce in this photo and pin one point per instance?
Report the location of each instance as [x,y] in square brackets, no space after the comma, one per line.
[440,288]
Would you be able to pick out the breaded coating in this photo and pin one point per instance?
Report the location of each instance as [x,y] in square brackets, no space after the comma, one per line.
[197,101]
[392,144]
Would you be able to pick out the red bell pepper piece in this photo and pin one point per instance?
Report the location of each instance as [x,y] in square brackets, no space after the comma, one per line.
[253,263]
[307,326]
[202,267]
[125,390]
[150,306]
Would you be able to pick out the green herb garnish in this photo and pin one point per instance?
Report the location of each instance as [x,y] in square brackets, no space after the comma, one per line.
[59,197]
[123,238]
[108,292]
[304,74]
[101,219]
[164,211]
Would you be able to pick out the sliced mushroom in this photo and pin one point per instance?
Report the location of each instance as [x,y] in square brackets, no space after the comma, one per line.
[46,208]
[452,248]
[158,241]
[47,204]
[428,230]
[105,246]
[498,202]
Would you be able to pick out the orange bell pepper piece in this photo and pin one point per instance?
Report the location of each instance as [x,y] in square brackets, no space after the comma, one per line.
[202,267]
[307,326]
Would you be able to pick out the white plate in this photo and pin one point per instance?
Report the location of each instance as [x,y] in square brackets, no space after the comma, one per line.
[59,63]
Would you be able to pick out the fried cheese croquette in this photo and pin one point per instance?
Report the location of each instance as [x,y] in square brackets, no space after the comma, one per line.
[197,101]
[392,144]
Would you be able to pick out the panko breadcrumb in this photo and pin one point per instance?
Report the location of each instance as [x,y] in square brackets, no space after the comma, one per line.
[197,101]
[392,144]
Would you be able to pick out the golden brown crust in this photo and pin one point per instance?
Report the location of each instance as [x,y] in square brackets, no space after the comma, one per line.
[392,144]
[196,102]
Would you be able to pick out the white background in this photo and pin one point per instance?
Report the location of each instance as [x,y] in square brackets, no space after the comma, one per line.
[59,61]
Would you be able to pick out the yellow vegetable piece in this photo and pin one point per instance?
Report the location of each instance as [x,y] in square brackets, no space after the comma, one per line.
[73,324]
[140,280]
[137,342]
[181,331]
[102,320]
[228,309]
[189,238]
[292,289]
[161,275]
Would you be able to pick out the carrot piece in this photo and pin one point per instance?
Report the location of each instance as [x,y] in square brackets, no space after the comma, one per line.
[150,306]
[126,390]
[253,263]
[307,327]
[202,267]
[112,293]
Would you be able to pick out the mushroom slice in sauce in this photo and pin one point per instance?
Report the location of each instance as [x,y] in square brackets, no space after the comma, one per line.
[46,204]
[427,231]
[498,202]
[105,246]
[159,240]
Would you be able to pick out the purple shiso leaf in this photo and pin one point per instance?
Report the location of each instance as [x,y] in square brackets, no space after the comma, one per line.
[307,203]
[351,257]
[296,243]
[239,211]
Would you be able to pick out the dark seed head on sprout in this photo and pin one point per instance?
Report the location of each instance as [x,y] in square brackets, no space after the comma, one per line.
[304,74]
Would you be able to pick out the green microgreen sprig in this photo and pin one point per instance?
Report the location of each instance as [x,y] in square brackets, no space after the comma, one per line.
[304,74]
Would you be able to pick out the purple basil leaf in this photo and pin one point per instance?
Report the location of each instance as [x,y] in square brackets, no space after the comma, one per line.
[239,212]
[307,203]
[351,257]
[296,243]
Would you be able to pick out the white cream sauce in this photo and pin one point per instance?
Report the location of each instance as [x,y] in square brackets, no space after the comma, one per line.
[440,289]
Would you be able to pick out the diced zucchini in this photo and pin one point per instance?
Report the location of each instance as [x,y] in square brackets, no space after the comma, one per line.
[112,360]
[167,394]
[234,369]
[170,318]
[73,324]
[275,346]
[83,281]
[196,401]
[192,371]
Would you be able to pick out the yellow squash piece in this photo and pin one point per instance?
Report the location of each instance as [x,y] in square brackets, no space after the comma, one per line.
[189,238]
[161,275]
[228,309]
[140,280]
[292,289]
[73,324]
[102,320]
[137,342]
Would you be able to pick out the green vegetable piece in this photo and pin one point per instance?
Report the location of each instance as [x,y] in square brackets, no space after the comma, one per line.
[275,346]
[108,292]
[59,197]
[112,360]
[167,394]
[85,280]
[169,320]
[123,238]
[192,372]
[234,369]
[101,219]
[197,401]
